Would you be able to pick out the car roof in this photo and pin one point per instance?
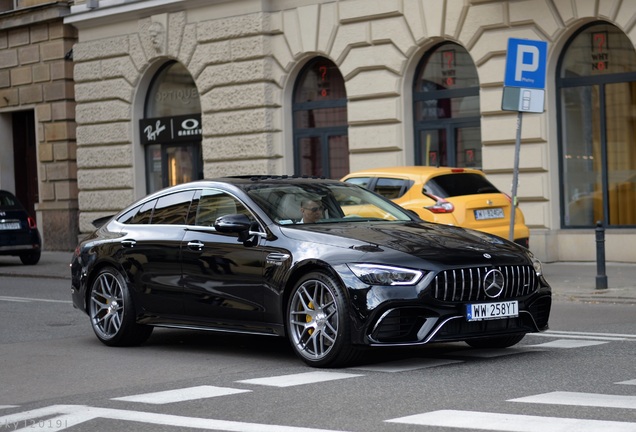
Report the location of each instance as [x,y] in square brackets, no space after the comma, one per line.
[251,179]
[413,171]
[240,182]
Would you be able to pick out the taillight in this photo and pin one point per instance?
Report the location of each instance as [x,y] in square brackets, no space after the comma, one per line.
[440,206]
[32,224]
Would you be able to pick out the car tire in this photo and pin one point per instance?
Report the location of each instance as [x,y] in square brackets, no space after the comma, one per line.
[496,341]
[30,258]
[112,312]
[318,322]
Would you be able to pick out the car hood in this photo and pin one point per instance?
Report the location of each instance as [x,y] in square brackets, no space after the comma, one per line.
[442,244]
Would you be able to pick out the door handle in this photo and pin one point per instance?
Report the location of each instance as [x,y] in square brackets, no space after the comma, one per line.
[128,243]
[277,257]
[196,245]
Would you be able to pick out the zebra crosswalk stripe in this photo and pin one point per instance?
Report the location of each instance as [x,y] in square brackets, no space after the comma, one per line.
[299,379]
[181,395]
[471,420]
[581,399]
[567,343]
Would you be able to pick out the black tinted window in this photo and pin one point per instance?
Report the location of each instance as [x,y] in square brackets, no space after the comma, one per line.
[127,217]
[450,185]
[172,209]
[360,181]
[144,214]
[391,188]
[214,204]
[8,201]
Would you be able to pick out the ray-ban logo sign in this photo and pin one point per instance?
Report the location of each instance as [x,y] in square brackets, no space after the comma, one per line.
[170,129]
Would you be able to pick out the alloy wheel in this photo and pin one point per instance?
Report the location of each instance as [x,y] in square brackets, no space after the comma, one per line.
[107,305]
[313,319]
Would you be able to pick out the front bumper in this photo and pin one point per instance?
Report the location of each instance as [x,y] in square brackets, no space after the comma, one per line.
[433,312]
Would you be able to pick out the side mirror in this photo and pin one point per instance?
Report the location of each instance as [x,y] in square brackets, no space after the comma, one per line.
[234,223]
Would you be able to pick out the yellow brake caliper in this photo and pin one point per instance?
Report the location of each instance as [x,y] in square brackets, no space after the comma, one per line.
[308,318]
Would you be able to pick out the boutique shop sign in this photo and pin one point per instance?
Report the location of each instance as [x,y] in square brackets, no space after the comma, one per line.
[162,130]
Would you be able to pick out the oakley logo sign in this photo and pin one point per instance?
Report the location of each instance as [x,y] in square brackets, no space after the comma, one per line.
[493,283]
[167,130]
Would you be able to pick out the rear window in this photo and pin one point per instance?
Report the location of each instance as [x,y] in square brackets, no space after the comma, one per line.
[451,185]
[8,201]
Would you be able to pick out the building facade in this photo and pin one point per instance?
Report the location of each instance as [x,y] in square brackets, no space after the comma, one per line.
[37,116]
[168,91]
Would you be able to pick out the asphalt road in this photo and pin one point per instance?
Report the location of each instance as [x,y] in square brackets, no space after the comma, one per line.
[55,375]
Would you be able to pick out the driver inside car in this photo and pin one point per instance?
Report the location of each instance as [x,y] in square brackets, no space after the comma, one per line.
[311,211]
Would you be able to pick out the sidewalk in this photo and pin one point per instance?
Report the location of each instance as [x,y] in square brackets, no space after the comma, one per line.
[573,281]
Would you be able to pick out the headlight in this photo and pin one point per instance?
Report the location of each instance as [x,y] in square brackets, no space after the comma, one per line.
[374,274]
[538,268]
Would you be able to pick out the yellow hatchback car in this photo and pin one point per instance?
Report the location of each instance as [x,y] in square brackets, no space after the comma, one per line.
[451,196]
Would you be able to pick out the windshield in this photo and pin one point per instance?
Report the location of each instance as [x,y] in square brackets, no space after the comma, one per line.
[323,203]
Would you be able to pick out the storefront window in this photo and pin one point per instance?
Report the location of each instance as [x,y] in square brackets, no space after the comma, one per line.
[321,145]
[446,109]
[171,129]
[597,90]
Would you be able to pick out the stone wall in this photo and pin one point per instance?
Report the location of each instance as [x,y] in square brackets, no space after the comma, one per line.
[36,72]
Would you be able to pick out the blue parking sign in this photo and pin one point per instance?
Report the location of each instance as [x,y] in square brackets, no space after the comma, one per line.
[526,63]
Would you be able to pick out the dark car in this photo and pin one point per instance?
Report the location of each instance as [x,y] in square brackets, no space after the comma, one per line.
[19,235]
[233,255]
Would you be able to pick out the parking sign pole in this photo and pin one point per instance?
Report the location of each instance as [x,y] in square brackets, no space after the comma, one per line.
[524,91]
[515,178]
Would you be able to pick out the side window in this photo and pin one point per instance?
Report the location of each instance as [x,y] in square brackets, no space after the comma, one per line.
[390,188]
[214,204]
[360,181]
[172,209]
[144,214]
[127,217]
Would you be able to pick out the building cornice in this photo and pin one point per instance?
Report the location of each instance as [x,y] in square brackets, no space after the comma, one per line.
[34,14]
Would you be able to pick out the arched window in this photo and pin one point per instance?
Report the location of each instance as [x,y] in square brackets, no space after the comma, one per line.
[171,129]
[321,142]
[597,101]
[446,109]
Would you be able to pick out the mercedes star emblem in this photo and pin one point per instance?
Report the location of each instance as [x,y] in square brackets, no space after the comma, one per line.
[493,283]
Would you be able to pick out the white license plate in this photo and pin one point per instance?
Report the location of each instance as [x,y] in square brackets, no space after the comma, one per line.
[10,226]
[493,213]
[487,311]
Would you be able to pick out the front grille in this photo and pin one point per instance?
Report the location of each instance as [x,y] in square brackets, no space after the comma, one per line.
[467,284]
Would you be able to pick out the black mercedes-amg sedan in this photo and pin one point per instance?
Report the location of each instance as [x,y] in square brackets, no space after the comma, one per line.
[331,266]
